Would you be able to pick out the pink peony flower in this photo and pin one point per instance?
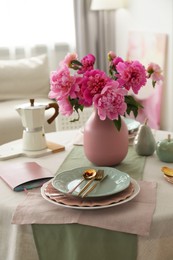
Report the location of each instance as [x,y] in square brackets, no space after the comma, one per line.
[110,102]
[87,63]
[154,72]
[63,84]
[68,59]
[111,55]
[93,83]
[65,107]
[132,75]
[116,60]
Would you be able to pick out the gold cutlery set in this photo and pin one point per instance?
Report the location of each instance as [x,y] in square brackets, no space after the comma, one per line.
[91,175]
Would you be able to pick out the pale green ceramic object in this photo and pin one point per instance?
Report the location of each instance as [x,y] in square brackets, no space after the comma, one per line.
[164,150]
[144,142]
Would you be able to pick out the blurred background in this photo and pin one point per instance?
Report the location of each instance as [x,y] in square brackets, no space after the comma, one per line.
[137,29]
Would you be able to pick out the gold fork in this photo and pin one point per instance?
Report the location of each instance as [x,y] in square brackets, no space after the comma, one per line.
[99,175]
[85,176]
[93,186]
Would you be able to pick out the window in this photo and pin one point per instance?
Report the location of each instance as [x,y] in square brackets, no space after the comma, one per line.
[27,22]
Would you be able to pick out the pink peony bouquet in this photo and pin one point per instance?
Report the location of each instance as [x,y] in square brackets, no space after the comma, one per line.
[77,84]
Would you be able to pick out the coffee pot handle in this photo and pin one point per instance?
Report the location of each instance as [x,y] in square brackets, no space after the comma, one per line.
[56,107]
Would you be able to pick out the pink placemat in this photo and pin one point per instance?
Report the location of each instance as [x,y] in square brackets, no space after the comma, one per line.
[54,196]
[133,217]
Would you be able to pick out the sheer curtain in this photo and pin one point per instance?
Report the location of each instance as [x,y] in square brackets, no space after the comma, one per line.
[86,28]
[92,28]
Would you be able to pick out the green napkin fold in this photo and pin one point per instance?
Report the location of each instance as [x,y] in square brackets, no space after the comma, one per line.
[76,241]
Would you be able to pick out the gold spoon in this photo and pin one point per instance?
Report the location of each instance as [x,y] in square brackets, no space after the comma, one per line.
[87,175]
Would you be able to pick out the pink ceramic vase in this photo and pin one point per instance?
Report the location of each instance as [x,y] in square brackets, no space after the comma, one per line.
[104,145]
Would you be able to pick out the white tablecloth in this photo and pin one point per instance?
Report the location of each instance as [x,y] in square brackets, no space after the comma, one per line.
[16,242]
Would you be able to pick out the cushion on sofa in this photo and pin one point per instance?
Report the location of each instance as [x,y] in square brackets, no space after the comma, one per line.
[24,78]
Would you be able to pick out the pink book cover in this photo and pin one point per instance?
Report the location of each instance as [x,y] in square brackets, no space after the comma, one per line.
[23,176]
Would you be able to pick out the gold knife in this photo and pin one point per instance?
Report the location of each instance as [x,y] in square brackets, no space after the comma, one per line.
[93,187]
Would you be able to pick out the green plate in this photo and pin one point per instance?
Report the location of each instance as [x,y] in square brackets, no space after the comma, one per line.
[115,182]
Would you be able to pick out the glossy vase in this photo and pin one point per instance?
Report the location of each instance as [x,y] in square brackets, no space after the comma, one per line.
[104,145]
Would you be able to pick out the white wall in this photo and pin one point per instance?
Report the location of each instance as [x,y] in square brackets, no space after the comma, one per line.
[151,16]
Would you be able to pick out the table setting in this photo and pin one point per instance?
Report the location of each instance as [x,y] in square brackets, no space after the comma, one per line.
[68,188]
[109,194]
[31,210]
[127,207]
[137,211]
[124,202]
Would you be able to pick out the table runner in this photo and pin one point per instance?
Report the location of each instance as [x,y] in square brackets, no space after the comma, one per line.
[119,244]
[133,164]
[78,242]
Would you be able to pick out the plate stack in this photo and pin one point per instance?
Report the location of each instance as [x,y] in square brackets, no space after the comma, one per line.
[117,188]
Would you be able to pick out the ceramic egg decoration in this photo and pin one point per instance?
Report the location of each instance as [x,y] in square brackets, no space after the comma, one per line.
[144,141]
[164,150]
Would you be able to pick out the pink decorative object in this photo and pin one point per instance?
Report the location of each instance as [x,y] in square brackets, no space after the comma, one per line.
[104,145]
[148,46]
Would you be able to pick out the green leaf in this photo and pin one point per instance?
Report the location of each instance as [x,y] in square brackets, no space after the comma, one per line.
[132,105]
[117,123]
[76,62]
[76,107]
[75,119]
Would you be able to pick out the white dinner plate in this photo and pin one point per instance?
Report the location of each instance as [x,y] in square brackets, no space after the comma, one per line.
[134,194]
[116,181]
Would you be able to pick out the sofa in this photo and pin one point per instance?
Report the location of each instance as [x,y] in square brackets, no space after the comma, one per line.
[21,80]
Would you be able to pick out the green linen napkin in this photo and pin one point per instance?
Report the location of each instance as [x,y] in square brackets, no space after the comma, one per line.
[76,241]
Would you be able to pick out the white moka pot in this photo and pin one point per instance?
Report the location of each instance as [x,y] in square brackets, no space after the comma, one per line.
[32,117]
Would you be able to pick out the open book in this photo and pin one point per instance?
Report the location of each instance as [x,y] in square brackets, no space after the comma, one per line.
[24,175]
